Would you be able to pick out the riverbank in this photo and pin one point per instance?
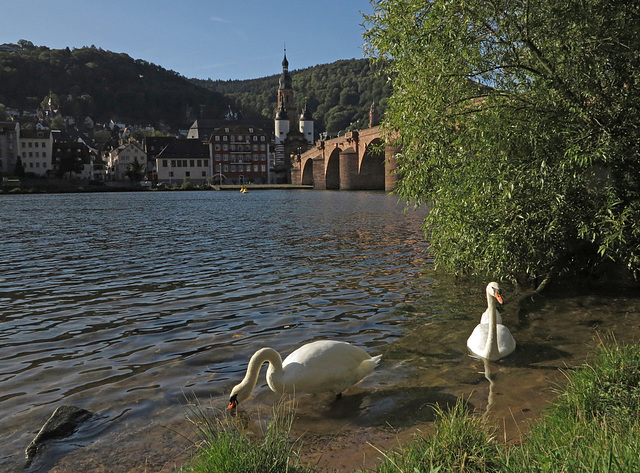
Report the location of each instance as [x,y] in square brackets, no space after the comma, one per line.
[593,425]
[38,186]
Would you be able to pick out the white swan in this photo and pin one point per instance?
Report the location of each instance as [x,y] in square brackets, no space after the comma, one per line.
[491,339]
[322,366]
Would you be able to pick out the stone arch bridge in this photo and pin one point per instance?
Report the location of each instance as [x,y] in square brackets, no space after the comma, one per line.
[354,161]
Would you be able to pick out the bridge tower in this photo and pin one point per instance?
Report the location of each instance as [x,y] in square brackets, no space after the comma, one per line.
[306,125]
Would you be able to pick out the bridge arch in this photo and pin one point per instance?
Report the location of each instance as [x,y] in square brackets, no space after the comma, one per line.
[307,173]
[372,167]
[332,171]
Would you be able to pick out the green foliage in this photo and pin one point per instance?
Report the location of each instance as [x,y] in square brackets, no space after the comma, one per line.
[462,442]
[225,447]
[135,171]
[102,84]
[339,95]
[517,123]
[594,424]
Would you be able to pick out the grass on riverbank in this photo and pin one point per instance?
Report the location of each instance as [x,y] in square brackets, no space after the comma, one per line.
[225,448]
[593,426]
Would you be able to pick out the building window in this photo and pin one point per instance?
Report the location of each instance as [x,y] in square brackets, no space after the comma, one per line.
[226,168]
[187,174]
[199,163]
[192,163]
[204,173]
[164,163]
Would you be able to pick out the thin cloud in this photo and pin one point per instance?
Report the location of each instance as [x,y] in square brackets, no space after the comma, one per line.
[218,19]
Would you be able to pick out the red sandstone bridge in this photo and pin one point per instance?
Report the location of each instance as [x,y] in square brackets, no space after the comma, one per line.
[350,162]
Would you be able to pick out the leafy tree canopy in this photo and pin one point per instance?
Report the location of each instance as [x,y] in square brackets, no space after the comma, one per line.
[518,124]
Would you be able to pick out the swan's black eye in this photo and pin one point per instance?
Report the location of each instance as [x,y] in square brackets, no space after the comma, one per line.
[233,402]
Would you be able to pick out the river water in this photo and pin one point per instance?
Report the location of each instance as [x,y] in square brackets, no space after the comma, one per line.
[131,304]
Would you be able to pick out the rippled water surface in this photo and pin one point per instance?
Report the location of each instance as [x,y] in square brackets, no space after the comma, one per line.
[123,303]
[128,303]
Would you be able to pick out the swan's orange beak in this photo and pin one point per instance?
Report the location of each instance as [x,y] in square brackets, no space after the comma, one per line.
[498,297]
[233,402]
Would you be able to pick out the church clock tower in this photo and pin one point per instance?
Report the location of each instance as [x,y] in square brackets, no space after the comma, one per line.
[285,91]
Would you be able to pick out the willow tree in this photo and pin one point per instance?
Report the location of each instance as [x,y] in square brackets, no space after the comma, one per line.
[519,126]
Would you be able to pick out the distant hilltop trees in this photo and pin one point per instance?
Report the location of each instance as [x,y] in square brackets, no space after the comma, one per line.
[92,82]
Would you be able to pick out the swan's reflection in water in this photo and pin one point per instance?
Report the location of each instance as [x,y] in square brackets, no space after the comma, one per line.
[489,376]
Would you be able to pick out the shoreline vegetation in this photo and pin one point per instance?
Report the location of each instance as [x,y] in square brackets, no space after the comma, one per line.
[592,426]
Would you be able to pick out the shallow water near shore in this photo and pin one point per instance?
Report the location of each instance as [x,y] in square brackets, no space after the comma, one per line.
[130,304]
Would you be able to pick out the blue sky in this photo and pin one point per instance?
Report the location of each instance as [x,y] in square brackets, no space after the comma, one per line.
[217,39]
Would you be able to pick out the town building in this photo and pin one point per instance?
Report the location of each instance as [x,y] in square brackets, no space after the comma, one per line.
[72,158]
[36,151]
[122,157]
[240,155]
[9,132]
[183,161]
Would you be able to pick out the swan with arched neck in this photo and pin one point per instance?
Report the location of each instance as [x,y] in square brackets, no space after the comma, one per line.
[321,366]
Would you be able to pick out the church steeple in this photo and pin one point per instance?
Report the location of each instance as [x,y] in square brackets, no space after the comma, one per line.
[285,91]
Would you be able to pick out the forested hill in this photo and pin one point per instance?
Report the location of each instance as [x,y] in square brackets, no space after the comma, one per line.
[105,85]
[339,94]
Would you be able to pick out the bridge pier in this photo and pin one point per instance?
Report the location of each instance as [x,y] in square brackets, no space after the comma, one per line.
[319,177]
[390,176]
[348,168]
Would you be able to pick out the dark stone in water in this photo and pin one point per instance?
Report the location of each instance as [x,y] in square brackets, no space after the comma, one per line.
[64,421]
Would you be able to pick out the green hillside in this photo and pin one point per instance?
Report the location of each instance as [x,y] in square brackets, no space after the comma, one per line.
[338,94]
[90,81]
[104,85]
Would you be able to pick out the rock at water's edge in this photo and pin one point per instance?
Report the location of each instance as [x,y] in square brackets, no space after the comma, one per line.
[63,422]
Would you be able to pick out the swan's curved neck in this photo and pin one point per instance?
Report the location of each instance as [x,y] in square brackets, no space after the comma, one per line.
[274,373]
[491,347]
